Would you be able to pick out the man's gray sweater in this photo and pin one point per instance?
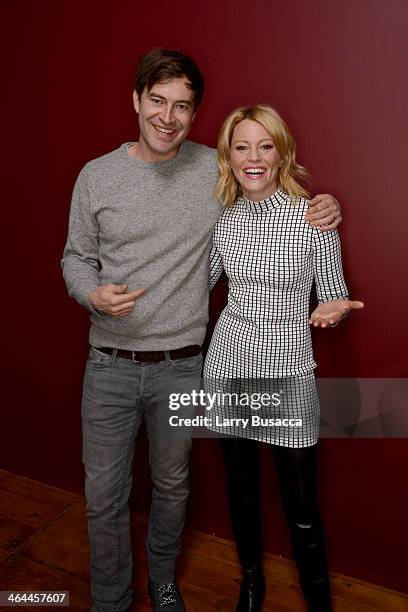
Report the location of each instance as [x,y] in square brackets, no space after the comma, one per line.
[145,224]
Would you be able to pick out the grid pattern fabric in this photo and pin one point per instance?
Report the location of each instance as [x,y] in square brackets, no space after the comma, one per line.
[272,257]
[292,420]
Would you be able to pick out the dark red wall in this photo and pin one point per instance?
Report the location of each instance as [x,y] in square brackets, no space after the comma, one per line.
[337,71]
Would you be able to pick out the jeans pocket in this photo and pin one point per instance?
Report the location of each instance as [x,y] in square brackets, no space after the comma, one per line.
[98,359]
[188,364]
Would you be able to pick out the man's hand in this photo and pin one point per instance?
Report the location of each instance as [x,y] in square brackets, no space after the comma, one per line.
[114,299]
[331,313]
[324,212]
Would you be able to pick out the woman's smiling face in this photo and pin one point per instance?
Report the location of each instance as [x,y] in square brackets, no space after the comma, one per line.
[255,160]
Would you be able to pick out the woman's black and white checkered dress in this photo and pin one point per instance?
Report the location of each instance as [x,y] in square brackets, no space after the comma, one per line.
[262,341]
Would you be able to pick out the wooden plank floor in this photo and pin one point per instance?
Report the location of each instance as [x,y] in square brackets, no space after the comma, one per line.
[44,546]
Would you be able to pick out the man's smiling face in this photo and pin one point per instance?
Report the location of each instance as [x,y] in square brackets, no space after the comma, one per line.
[166,113]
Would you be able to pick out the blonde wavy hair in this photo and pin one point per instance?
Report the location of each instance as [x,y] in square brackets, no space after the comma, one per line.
[227,188]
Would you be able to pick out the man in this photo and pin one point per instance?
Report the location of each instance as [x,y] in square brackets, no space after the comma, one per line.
[137,258]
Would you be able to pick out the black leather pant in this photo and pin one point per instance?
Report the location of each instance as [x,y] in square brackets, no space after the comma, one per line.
[296,468]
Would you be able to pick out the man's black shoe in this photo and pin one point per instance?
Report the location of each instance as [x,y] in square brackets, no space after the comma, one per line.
[165,596]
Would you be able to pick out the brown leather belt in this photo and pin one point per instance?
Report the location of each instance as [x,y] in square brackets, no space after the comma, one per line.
[154,356]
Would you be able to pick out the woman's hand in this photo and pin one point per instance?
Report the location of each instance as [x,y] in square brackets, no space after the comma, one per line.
[329,314]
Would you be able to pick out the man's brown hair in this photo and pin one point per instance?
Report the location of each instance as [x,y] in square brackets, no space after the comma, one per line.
[159,65]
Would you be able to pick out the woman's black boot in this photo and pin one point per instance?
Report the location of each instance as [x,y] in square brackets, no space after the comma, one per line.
[242,471]
[252,593]
[297,477]
[310,555]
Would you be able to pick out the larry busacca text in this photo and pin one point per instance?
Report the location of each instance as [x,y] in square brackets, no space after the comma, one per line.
[241,403]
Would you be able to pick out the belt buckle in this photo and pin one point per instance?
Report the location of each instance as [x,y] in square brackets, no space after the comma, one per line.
[133,357]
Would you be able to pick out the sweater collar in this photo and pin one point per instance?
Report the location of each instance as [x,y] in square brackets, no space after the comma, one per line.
[273,201]
[166,163]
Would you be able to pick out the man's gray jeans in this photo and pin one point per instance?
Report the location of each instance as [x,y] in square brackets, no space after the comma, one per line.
[117,395]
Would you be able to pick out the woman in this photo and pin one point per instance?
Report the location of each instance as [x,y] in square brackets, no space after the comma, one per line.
[261,346]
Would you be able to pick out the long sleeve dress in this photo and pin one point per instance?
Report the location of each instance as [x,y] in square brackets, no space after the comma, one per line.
[262,341]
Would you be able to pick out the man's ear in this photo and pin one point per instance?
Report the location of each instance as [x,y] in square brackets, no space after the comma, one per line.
[193,116]
[136,101]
